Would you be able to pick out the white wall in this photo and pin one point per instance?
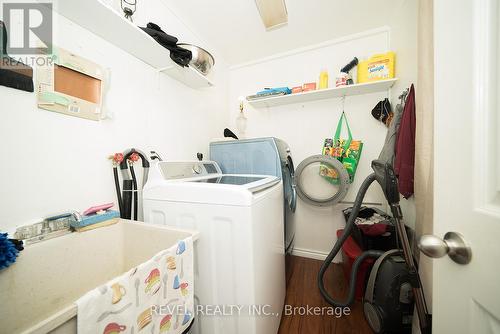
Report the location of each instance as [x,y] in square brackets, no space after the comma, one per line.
[404,40]
[304,126]
[55,163]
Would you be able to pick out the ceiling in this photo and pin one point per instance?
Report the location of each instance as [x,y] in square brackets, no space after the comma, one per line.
[235,28]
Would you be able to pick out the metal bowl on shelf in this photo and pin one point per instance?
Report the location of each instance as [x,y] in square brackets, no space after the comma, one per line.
[202,60]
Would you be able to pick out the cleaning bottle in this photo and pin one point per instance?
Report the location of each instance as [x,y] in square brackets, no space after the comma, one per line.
[344,78]
[323,79]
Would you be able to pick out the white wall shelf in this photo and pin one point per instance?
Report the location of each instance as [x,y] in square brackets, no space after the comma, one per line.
[105,22]
[321,94]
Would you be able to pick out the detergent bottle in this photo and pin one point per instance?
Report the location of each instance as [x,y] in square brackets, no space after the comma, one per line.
[323,79]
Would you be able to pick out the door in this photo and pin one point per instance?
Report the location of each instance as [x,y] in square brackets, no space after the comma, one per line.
[466,298]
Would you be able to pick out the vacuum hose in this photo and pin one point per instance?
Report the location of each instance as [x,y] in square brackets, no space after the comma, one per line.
[338,245]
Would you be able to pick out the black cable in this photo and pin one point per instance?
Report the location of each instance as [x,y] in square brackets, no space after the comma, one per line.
[127,199]
[117,188]
[134,190]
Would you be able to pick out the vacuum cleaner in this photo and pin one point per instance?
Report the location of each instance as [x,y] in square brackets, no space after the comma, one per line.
[393,285]
[129,196]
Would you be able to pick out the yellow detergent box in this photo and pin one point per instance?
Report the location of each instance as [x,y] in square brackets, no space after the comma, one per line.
[378,67]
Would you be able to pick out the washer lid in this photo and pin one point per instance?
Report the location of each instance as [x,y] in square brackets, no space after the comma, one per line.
[321,180]
[237,180]
[198,182]
[240,190]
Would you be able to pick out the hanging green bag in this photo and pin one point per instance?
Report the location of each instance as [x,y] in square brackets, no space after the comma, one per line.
[347,151]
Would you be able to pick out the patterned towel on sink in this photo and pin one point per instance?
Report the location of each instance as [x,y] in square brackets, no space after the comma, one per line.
[155,297]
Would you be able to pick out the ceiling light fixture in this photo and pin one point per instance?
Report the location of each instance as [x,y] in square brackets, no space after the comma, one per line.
[273,13]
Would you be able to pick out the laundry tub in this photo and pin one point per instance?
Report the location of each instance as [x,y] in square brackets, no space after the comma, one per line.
[39,291]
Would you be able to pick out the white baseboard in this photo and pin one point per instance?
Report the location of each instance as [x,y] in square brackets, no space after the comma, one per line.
[311,254]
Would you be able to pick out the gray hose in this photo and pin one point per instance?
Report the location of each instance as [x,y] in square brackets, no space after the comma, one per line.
[338,245]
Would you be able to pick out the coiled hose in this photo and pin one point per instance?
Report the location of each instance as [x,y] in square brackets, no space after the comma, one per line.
[338,245]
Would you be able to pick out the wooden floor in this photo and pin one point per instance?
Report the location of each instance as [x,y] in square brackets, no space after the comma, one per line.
[302,290]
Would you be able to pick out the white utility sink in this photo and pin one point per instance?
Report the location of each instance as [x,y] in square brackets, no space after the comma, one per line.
[38,292]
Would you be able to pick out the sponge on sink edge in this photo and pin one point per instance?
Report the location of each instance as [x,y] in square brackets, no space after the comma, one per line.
[98,225]
[94,219]
[8,251]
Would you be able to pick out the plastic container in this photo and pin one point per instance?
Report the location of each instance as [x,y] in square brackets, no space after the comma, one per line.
[350,252]
[378,67]
[341,80]
[308,86]
[323,79]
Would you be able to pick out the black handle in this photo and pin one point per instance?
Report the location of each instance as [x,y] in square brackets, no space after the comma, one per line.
[349,66]
[229,134]
[387,179]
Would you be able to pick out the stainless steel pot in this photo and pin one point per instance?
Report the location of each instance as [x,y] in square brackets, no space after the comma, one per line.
[202,59]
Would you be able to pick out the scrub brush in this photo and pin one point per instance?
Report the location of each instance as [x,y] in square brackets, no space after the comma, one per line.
[9,249]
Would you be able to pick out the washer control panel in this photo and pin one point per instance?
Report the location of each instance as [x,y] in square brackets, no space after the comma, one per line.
[172,170]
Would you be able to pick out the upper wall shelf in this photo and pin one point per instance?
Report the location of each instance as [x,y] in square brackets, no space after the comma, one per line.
[320,94]
[105,22]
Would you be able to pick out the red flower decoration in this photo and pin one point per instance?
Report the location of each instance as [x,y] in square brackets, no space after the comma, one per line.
[134,157]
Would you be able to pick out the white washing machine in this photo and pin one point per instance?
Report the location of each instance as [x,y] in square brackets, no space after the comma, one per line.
[239,257]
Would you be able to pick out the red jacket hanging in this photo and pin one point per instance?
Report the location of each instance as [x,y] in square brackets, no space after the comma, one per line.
[405,147]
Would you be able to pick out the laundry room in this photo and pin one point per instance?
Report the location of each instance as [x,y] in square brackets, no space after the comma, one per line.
[249,167]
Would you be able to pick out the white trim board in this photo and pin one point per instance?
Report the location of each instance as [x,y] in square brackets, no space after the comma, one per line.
[311,254]
[371,32]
